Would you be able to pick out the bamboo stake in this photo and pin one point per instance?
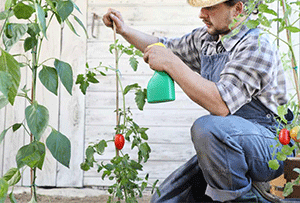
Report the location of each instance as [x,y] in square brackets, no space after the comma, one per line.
[293,60]
[117,80]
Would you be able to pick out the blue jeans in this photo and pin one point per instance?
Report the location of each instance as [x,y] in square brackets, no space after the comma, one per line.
[232,152]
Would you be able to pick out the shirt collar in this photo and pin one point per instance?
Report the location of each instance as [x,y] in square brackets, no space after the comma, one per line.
[231,39]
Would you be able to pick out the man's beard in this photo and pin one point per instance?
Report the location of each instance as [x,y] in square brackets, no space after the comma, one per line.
[223,31]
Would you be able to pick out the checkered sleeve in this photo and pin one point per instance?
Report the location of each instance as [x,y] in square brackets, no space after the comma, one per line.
[186,47]
[251,69]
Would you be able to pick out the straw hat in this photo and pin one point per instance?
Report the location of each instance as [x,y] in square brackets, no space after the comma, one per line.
[204,3]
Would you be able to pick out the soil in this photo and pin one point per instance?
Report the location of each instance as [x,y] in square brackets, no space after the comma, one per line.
[25,198]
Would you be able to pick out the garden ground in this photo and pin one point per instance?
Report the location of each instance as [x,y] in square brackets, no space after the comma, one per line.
[67,195]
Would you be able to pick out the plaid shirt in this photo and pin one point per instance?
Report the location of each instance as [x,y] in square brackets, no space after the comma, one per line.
[254,68]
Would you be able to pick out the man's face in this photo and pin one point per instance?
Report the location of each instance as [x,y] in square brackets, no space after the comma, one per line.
[217,18]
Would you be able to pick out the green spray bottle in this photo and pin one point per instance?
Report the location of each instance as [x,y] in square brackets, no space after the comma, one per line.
[161,86]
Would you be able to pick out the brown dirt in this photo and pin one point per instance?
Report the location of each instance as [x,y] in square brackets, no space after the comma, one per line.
[25,198]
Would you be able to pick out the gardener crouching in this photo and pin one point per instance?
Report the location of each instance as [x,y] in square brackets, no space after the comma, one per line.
[240,81]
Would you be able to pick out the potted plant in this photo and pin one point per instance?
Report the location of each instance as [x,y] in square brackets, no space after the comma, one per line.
[285,19]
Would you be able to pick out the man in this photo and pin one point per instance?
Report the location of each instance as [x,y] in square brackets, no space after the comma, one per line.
[240,81]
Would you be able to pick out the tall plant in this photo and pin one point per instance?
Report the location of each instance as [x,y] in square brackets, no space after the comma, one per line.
[27,22]
[286,18]
[121,169]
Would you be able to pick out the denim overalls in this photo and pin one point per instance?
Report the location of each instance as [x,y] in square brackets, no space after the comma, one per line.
[232,151]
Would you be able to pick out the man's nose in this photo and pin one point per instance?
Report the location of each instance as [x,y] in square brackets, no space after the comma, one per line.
[203,13]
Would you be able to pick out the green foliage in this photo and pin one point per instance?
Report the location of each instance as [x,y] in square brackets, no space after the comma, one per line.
[286,21]
[31,21]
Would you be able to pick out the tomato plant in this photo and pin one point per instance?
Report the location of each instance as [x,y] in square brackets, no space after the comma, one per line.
[121,169]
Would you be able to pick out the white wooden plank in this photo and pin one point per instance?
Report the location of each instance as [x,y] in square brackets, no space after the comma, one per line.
[71,120]
[157,134]
[156,15]
[150,117]
[96,100]
[51,48]
[102,33]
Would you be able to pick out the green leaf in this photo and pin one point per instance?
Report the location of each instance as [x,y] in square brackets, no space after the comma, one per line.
[3,101]
[251,24]
[10,65]
[32,155]
[2,135]
[273,164]
[281,156]
[140,98]
[37,118]
[89,153]
[5,14]
[33,29]
[12,176]
[60,147]
[64,9]
[23,11]
[3,189]
[41,18]
[84,166]
[288,189]
[82,25]
[71,27]
[13,33]
[133,63]
[130,87]
[16,126]
[65,74]
[264,8]
[5,83]
[49,78]
[100,147]
[292,29]
[91,77]
[145,151]
[9,4]
[29,43]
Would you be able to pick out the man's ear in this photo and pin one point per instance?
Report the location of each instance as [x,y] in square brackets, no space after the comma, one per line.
[239,8]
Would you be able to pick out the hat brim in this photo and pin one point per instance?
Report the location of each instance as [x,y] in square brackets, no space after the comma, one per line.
[204,3]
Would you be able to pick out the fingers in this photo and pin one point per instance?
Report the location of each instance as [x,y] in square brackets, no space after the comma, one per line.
[112,16]
[146,55]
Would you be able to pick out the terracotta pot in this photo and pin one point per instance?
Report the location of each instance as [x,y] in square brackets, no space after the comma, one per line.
[289,174]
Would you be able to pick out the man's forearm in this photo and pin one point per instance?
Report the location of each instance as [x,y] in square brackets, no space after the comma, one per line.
[139,39]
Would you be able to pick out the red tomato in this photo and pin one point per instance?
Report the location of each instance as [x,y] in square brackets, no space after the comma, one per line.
[119,141]
[284,136]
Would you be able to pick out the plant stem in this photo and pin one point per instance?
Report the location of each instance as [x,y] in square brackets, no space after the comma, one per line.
[293,59]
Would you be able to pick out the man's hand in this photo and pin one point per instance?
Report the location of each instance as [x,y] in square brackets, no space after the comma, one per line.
[116,17]
[160,58]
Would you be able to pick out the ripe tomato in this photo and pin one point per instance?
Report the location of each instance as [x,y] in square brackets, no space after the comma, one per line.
[294,133]
[284,136]
[119,141]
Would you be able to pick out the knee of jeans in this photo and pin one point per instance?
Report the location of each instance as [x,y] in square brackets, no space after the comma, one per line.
[201,129]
